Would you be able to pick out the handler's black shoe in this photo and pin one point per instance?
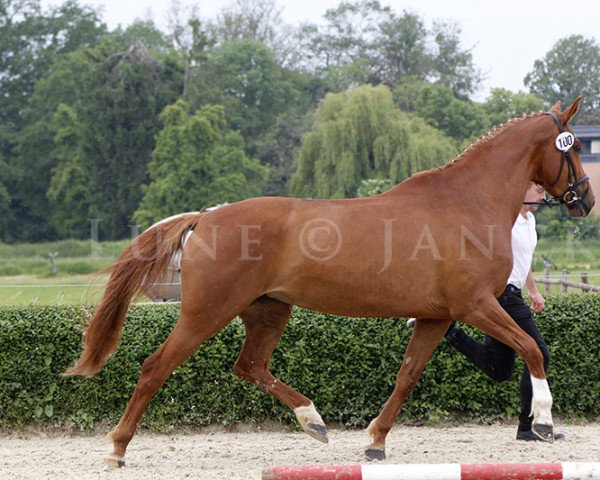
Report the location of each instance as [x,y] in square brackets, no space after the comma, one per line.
[529,436]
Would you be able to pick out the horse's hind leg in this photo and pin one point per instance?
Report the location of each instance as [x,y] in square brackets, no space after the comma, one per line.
[265,321]
[189,333]
[425,337]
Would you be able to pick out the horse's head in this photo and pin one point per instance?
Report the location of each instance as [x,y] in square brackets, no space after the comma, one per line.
[560,170]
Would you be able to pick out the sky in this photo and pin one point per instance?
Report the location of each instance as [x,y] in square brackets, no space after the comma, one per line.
[504,36]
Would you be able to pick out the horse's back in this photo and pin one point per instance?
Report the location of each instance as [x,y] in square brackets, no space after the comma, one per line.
[383,255]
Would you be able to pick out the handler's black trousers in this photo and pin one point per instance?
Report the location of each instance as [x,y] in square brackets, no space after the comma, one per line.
[496,359]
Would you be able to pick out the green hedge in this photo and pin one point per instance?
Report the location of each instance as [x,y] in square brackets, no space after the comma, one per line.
[347,366]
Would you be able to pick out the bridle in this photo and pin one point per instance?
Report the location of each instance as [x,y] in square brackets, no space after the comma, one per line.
[570,198]
[549,202]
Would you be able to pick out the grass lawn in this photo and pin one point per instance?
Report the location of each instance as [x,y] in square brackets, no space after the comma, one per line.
[26,275]
[573,255]
[576,257]
[60,290]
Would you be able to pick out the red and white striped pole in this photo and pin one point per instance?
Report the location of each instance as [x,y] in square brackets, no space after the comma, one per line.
[443,471]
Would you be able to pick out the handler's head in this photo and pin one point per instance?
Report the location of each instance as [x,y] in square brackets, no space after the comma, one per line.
[535,193]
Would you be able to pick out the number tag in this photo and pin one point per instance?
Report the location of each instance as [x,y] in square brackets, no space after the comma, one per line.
[565,141]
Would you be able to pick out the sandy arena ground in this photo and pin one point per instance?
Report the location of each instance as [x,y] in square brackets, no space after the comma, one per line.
[214,454]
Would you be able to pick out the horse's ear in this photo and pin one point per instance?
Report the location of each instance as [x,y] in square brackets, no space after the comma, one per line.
[556,107]
[570,112]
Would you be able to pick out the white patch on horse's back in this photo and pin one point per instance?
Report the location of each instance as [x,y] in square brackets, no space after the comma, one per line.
[179,215]
[168,219]
[407,360]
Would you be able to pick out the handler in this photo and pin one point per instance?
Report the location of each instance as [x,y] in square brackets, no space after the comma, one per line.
[492,357]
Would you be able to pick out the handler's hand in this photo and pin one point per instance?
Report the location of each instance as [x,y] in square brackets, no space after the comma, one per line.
[537,301]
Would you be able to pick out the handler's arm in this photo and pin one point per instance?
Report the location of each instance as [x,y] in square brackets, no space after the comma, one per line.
[537,301]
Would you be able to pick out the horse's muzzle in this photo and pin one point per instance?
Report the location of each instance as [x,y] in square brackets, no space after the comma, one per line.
[584,207]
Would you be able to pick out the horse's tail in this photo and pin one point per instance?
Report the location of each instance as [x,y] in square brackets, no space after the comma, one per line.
[140,265]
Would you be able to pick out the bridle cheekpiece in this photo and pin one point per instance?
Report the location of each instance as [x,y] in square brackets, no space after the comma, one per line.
[564,142]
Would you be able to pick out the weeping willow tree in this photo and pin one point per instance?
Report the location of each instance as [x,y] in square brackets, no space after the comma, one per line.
[360,134]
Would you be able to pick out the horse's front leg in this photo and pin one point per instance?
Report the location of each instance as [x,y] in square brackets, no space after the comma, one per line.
[492,319]
[425,337]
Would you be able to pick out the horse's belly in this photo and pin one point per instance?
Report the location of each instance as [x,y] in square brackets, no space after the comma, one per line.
[361,299]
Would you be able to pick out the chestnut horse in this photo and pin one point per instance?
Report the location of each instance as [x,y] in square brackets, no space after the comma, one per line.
[435,247]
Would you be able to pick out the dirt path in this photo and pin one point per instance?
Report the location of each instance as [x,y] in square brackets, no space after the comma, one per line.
[242,456]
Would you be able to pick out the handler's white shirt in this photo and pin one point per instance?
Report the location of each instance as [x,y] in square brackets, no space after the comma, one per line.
[524,241]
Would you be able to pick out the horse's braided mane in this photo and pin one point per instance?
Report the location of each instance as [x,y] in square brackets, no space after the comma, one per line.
[493,133]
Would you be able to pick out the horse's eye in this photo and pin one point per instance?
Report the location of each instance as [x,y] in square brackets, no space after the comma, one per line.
[577,148]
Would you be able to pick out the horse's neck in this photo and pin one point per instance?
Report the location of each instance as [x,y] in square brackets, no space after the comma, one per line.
[498,177]
[490,178]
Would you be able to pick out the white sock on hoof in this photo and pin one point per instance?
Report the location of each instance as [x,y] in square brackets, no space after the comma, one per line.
[541,403]
[114,461]
[370,428]
[308,414]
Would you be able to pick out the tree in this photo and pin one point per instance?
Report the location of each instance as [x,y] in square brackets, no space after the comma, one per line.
[569,69]
[350,32]
[348,50]
[258,20]
[365,42]
[145,32]
[404,52]
[191,38]
[557,224]
[452,66]
[5,211]
[280,145]
[264,101]
[359,135]
[31,40]
[245,78]
[132,88]
[35,156]
[69,193]
[198,162]
[117,93]
[461,120]
[502,105]
[406,92]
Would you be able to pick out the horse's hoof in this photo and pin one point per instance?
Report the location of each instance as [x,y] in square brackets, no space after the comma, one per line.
[544,432]
[114,462]
[375,454]
[317,431]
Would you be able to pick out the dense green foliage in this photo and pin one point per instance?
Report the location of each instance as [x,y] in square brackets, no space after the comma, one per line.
[197,163]
[438,106]
[90,127]
[364,42]
[553,78]
[503,104]
[555,223]
[30,42]
[347,366]
[244,77]
[360,135]
[80,105]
